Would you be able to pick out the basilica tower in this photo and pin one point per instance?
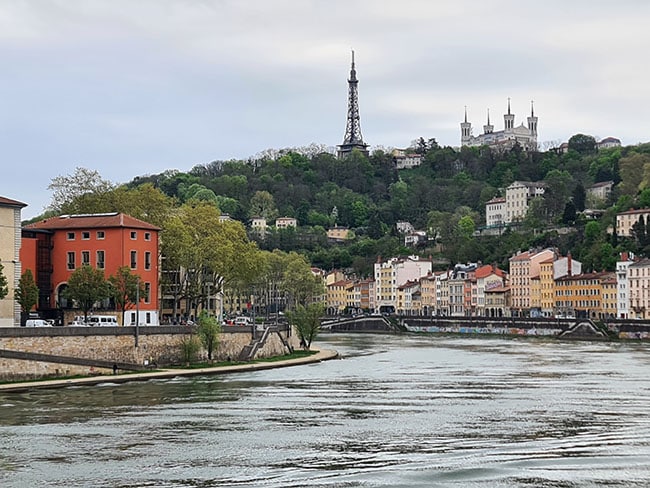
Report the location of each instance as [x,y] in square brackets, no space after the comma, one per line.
[352,139]
[532,122]
[465,131]
[509,119]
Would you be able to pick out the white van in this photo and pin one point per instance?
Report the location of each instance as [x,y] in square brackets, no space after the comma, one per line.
[37,323]
[243,320]
[102,320]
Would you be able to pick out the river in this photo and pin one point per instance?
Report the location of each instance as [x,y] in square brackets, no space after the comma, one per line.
[395,411]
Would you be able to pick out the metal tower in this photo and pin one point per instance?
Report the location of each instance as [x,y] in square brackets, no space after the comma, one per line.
[352,139]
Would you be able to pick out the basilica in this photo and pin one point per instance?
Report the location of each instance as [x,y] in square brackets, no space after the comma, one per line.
[526,137]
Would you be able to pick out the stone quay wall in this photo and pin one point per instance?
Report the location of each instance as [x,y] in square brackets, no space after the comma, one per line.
[629,329]
[30,353]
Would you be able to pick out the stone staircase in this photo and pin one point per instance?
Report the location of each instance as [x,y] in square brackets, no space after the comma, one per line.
[249,350]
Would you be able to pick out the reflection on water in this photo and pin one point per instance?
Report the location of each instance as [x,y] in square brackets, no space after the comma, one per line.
[394,412]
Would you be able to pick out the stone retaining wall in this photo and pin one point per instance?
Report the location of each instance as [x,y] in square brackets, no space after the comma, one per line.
[116,345]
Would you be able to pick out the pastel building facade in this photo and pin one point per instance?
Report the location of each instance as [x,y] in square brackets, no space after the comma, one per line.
[10,243]
[625,221]
[55,247]
[391,274]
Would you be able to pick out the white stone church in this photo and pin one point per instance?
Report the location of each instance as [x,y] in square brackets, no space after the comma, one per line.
[506,138]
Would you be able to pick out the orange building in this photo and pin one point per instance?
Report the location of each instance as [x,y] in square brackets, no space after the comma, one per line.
[53,248]
[582,295]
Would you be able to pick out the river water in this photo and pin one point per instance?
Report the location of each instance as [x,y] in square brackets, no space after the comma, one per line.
[396,411]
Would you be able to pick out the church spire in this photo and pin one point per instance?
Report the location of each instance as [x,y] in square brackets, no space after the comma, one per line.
[465,131]
[488,128]
[532,122]
[509,119]
[353,138]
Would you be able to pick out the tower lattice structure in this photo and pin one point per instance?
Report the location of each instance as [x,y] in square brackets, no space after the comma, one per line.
[353,138]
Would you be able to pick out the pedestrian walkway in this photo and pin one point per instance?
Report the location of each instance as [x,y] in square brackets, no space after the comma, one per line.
[167,373]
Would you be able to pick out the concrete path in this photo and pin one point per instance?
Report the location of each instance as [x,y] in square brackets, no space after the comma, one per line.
[166,373]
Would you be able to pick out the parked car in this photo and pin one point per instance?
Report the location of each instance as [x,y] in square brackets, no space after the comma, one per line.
[37,323]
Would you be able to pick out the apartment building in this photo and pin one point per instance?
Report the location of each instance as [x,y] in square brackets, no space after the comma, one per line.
[625,221]
[495,212]
[639,289]
[10,243]
[487,277]
[518,196]
[55,247]
[523,267]
[390,274]
[582,295]
[622,285]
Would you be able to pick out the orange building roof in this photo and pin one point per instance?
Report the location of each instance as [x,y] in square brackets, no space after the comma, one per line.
[85,221]
[487,270]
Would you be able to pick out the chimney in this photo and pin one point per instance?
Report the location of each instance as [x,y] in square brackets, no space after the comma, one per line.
[569,260]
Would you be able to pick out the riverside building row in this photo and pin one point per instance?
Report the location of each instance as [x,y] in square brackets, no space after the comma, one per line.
[541,283]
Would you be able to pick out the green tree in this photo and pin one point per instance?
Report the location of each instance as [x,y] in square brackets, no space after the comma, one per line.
[299,282]
[592,232]
[306,322]
[190,346]
[27,291]
[208,331]
[582,143]
[466,226]
[558,191]
[4,286]
[644,198]
[634,173]
[205,255]
[125,288]
[262,204]
[87,286]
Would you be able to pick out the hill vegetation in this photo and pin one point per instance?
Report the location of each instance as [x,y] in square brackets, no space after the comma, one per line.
[445,196]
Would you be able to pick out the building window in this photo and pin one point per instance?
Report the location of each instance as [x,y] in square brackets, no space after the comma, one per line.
[71,236]
[147,292]
[133,317]
[100,259]
[85,235]
[147,260]
[134,235]
[85,258]
[100,235]
[71,264]
[148,317]
[134,259]
[147,236]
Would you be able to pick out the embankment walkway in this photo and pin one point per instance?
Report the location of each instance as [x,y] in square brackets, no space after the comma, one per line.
[322,355]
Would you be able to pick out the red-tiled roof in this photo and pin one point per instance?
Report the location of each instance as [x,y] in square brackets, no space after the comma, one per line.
[487,270]
[8,202]
[92,221]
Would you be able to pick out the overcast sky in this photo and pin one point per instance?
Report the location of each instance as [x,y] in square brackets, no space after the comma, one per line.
[134,87]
